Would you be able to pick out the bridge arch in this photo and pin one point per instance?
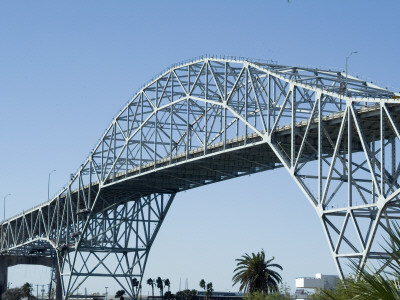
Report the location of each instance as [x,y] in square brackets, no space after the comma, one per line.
[212,119]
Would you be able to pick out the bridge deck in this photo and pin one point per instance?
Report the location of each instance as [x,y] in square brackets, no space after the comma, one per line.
[189,170]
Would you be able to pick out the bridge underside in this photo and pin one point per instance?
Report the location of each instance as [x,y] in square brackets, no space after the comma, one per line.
[211,120]
[7,261]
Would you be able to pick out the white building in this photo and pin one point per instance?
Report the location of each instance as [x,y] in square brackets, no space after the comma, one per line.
[320,281]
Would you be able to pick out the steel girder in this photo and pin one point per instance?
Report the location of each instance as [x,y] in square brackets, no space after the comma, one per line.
[213,119]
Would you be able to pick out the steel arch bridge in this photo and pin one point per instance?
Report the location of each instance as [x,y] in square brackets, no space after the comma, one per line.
[212,119]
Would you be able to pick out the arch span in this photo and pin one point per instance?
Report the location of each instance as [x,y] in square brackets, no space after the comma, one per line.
[212,119]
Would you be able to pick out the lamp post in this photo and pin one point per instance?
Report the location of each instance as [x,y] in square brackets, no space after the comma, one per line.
[347,59]
[48,185]
[4,212]
[106,291]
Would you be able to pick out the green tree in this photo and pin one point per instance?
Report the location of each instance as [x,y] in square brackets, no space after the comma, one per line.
[168,295]
[186,295]
[151,282]
[12,294]
[135,284]
[210,290]
[160,285]
[255,275]
[167,283]
[372,284]
[120,294]
[26,290]
[263,296]
[340,293]
[203,286]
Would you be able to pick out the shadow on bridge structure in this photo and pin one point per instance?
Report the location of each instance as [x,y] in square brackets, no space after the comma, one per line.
[212,119]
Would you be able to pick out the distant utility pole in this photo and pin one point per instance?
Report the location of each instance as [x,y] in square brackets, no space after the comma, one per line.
[42,291]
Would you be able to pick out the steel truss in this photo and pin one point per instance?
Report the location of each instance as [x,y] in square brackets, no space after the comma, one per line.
[213,119]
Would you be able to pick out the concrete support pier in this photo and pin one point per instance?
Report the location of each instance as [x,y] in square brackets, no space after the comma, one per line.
[7,261]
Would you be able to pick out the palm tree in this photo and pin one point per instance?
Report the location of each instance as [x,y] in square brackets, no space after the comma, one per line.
[120,294]
[151,282]
[254,274]
[372,284]
[167,283]
[203,286]
[26,289]
[210,290]
[135,284]
[160,285]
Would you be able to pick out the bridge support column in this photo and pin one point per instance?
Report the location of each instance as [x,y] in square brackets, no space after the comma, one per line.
[3,276]
[350,175]
[120,236]
[13,260]
[58,283]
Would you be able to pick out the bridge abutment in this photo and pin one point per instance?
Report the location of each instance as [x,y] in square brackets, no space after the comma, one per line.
[3,276]
[7,261]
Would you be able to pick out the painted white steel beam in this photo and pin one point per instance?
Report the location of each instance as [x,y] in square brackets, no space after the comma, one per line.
[212,119]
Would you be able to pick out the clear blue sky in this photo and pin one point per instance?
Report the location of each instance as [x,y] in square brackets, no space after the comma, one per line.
[67,68]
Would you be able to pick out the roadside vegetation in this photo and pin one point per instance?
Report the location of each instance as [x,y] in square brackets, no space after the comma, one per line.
[160,284]
[368,284]
[258,279]
[24,291]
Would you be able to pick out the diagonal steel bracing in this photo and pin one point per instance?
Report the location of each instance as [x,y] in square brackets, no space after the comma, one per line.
[115,243]
[212,119]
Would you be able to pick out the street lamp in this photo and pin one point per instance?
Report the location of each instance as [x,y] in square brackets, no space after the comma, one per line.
[106,291]
[347,59]
[4,216]
[48,185]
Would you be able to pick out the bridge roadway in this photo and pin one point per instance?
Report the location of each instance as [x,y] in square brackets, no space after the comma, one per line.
[77,219]
[221,161]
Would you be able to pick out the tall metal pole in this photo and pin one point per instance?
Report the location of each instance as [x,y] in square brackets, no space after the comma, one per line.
[347,58]
[48,185]
[4,212]
[106,291]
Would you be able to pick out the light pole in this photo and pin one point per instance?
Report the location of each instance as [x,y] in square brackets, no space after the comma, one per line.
[106,291]
[347,59]
[4,215]
[43,291]
[48,185]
